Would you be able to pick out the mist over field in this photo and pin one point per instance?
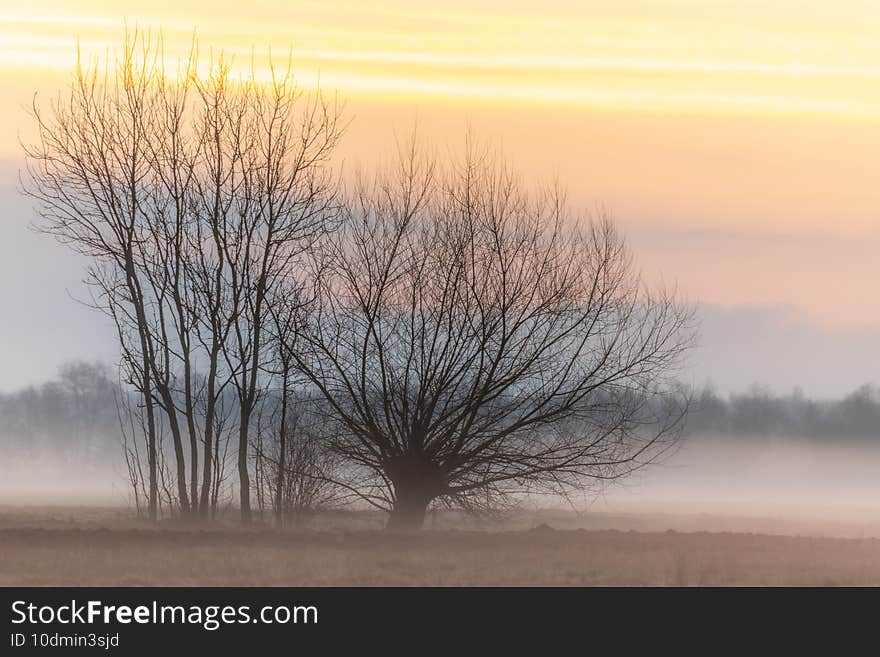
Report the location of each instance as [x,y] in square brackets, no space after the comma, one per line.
[825,488]
[754,484]
[753,461]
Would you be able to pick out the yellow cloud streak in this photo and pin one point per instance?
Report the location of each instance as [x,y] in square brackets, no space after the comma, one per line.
[645,63]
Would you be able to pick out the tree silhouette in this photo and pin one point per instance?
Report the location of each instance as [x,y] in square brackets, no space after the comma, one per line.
[472,340]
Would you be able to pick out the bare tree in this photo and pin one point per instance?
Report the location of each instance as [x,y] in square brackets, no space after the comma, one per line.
[287,315]
[473,341]
[192,195]
[285,204]
[296,471]
[86,172]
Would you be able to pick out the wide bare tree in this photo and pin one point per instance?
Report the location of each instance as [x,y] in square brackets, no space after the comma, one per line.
[474,341]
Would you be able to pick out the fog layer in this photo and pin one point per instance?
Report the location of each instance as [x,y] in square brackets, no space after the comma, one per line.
[787,463]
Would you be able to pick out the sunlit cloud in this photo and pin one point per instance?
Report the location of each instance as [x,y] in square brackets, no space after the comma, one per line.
[585,54]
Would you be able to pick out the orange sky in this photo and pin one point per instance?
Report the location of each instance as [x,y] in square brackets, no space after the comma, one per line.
[735,140]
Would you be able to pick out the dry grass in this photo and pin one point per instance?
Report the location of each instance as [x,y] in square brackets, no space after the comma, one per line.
[79,554]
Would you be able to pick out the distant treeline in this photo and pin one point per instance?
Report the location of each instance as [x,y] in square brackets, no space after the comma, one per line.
[74,417]
[759,412]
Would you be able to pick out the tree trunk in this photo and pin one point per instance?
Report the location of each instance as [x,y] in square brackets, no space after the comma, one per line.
[134,291]
[410,507]
[210,409]
[205,497]
[416,483]
[279,477]
[151,450]
[282,449]
[244,477]
[177,440]
[193,440]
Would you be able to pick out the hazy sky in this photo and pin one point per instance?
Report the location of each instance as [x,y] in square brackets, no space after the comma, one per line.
[734,140]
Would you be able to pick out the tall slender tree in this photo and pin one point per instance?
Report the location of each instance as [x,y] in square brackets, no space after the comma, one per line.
[193,196]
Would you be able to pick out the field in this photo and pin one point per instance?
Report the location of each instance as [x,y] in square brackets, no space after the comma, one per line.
[41,547]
